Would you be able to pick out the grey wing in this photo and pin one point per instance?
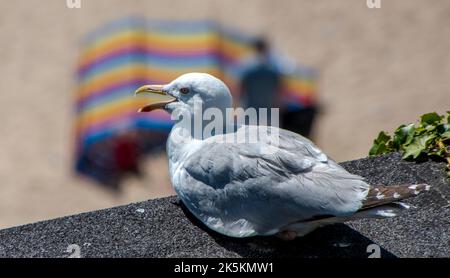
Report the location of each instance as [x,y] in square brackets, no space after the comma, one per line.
[244,189]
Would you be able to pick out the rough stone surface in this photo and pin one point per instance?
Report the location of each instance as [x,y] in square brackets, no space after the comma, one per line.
[163,228]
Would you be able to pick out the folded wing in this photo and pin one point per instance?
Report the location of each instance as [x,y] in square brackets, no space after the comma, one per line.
[255,188]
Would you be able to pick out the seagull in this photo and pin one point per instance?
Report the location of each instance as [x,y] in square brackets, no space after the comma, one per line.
[244,189]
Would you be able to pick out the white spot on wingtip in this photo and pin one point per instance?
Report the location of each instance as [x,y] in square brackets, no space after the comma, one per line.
[396,195]
[427,187]
[403,205]
[416,192]
[380,196]
[387,213]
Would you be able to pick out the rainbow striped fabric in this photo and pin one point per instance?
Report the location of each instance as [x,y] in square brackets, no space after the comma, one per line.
[125,54]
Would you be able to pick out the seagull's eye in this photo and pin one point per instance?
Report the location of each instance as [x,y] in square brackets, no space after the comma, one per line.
[184,90]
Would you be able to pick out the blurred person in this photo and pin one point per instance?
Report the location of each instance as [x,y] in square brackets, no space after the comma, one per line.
[261,81]
[261,87]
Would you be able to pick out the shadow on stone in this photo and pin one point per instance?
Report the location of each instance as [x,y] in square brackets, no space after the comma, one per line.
[333,241]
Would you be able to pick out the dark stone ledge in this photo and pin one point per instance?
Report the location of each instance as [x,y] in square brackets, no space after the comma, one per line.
[163,228]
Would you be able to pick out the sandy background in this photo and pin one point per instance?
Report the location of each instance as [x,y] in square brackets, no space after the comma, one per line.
[379,68]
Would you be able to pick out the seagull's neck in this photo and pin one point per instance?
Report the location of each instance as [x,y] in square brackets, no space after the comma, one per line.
[180,145]
[186,136]
[200,124]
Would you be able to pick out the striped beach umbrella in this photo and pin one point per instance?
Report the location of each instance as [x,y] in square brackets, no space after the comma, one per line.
[125,54]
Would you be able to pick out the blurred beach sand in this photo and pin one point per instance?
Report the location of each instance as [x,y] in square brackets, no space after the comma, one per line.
[378,68]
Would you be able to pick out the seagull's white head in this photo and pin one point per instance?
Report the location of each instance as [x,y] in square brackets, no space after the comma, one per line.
[188,91]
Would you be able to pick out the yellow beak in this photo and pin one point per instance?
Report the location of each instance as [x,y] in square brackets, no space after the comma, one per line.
[156,89]
[153,89]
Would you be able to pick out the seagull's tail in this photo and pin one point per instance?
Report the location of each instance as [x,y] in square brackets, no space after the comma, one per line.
[384,201]
[381,195]
[381,202]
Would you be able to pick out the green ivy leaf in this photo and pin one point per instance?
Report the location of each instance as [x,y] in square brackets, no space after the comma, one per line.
[418,146]
[378,150]
[403,135]
[380,144]
[438,153]
[430,119]
[442,128]
[420,130]
[430,128]
[446,134]
[383,137]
